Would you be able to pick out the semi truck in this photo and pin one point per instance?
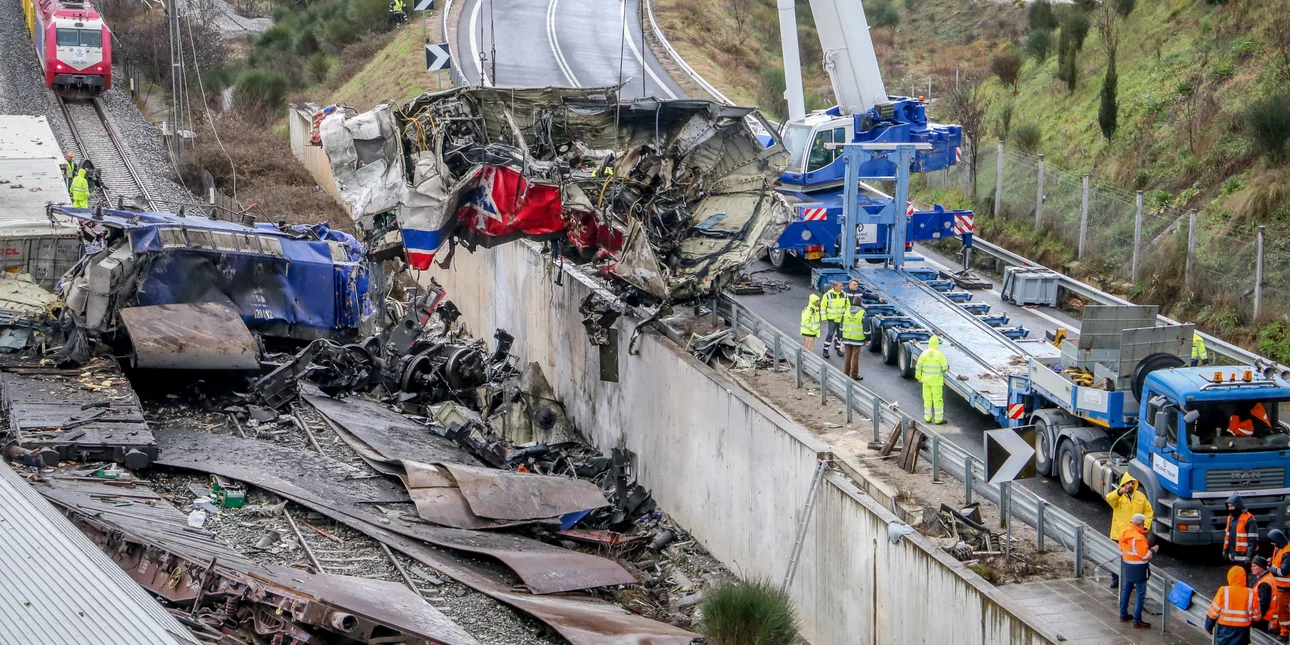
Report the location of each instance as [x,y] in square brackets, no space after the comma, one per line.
[1115,397]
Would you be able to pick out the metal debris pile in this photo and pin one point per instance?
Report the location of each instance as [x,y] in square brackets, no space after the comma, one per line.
[670,197]
[738,352]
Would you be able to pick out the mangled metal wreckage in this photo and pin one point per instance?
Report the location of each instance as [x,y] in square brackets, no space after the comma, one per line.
[671,197]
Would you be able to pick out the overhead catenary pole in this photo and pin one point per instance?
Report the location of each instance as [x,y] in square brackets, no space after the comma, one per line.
[1191,247]
[1258,276]
[1039,195]
[1083,216]
[1137,236]
[998,182]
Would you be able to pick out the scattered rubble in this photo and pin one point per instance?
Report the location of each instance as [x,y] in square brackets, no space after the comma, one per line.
[671,197]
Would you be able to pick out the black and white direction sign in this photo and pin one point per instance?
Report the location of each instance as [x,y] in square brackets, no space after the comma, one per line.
[424,5]
[1009,454]
[437,57]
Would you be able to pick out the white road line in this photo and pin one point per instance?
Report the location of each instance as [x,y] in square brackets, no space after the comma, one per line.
[555,45]
[474,42]
[622,12]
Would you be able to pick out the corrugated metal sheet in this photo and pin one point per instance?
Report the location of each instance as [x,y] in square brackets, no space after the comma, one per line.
[59,588]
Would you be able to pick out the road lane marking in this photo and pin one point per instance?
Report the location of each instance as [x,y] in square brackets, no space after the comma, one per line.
[555,45]
[622,13]
[474,42]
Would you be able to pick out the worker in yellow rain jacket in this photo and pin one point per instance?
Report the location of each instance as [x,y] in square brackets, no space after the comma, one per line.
[1126,501]
[930,371]
[1198,352]
[811,322]
[836,304]
[80,190]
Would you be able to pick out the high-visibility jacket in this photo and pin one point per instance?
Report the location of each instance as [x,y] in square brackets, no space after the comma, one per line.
[1246,539]
[1124,507]
[80,190]
[1234,605]
[1198,348]
[1280,567]
[1133,545]
[811,317]
[1266,580]
[853,325]
[836,304]
[932,364]
[1240,427]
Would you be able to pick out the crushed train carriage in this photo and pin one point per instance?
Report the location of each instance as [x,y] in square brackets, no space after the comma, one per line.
[671,197]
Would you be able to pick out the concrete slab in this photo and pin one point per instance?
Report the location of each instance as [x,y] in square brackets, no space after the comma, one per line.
[1087,613]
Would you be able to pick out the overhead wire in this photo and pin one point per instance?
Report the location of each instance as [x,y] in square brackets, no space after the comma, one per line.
[201,85]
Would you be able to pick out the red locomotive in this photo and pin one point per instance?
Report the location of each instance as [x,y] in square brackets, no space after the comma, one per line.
[73,44]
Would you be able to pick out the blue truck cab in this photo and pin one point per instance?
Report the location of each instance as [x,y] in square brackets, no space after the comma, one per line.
[1190,460]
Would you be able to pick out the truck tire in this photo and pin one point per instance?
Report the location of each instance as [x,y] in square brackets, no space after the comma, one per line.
[873,334]
[890,348]
[906,362]
[1043,448]
[1069,469]
[776,257]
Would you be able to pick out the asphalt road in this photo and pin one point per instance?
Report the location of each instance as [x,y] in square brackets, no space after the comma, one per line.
[578,43]
[561,43]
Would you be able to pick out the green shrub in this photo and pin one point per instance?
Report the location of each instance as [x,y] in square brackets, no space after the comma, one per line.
[882,14]
[1267,125]
[1041,16]
[770,92]
[1004,125]
[1274,341]
[370,15]
[1039,44]
[339,32]
[1076,28]
[1125,7]
[1221,69]
[306,43]
[261,91]
[748,613]
[1108,108]
[318,66]
[275,38]
[1028,137]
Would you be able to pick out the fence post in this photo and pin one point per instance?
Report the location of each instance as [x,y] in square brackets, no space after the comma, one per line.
[1040,516]
[1258,276]
[936,458]
[1083,216]
[1137,236]
[1079,551]
[734,318]
[967,480]
[798,367]
[1005,504]
[1191,246]
[824,383]
[998,181]
[850,399]
[877,418]
[1039,195]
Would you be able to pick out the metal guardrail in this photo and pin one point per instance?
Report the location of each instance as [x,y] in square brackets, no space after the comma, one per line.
[1091,547]
[680,62]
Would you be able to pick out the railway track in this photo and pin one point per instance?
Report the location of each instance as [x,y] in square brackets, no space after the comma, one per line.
[97,141]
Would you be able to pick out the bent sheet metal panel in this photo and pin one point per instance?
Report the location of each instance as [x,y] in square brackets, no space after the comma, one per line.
[145,517]
[506,495]
[60,588]
[205,336]
[317,482]
[390,434]
[438,499]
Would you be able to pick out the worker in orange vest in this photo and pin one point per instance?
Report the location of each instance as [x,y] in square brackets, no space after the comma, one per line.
[1240,538]
[1265,591]
[1279,567]
[1232,612]
[1135,556]
[1242,425]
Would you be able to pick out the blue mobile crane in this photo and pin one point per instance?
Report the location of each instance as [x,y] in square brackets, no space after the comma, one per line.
[865,113]
[1117,398]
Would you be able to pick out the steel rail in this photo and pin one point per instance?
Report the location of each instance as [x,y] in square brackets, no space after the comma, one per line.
[112,160]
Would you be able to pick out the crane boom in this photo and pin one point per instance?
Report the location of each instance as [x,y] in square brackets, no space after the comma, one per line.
[849,56]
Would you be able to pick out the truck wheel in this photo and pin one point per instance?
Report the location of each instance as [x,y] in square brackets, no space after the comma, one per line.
[1068,468]
[873,335]
[890,349]
[906,362]
[1043,447]
[776,258]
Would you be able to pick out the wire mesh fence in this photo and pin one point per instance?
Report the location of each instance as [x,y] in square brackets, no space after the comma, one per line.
[1223,270]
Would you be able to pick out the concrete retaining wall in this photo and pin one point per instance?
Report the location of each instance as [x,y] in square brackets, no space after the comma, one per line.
[732,471]
[300,125]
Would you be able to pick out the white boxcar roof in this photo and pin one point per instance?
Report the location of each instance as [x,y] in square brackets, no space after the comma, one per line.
[30,178]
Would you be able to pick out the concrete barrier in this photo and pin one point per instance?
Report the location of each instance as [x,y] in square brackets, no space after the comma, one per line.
[733,471]
[299,128]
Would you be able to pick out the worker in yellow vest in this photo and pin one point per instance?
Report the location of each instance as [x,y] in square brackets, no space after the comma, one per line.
[930,371]
[811,322]
[836,303]
[1198,352]
[80,190]
[853,339]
